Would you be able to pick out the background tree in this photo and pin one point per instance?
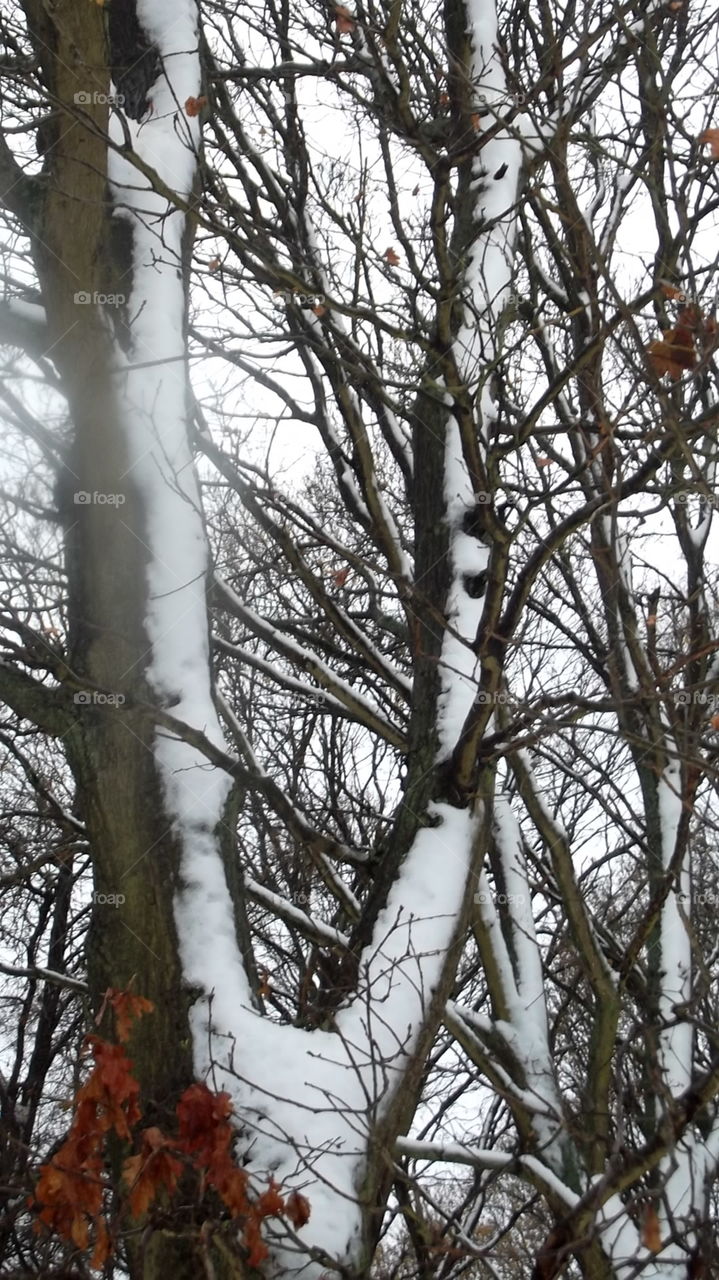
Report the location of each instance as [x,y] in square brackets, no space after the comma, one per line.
[421,844]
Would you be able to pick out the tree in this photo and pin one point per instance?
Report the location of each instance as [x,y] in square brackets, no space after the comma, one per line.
[404,858]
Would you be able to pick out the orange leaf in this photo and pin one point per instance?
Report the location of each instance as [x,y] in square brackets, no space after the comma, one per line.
[79,1231]
[101,1251]
[297,1209]
[232,1189]
[258,1250]
[711,136]
[319,310]
[714,722]
[670,291]
[193,106]
[127,1008]
[270,1202]
[673,353]
[651,1230]
[391,257]
[475,121]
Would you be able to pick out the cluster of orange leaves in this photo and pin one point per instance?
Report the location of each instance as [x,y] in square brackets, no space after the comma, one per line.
[681,348]
[71,1190]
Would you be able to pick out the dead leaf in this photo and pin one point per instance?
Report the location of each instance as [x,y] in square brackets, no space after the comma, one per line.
[344,21]
[651,1230]
[270,1203]
[215,264]
[714,722]
[339,576]
[544,462]
[391,257]
[297,1209]
[711,137]
[673,353]
[193,106]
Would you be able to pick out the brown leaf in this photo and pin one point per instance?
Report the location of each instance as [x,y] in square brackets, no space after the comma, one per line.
[101,1251]
[297,1209]
[711,136]
[673,353]
[319,309]
[714,722]
[344,21]
[193,106]
[270,1203]
[651,1230]
[544,462]
[258,1250]
[127,1008]
[339,576]
[391,257]
[215,264]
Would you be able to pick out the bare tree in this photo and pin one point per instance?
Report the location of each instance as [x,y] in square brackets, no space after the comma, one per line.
[414,855]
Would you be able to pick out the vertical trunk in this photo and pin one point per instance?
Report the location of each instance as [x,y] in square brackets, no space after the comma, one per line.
[133,939]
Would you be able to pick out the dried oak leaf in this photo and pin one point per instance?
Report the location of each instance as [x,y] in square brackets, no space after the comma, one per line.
[651,1230]
[151,1171]
[257,1249]
[127,1008]
[344,21]
[391,257]
[270,1202]
[297,1209]
[193,106]
[339,576]
[674,353]
[711,136]
[672,292]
